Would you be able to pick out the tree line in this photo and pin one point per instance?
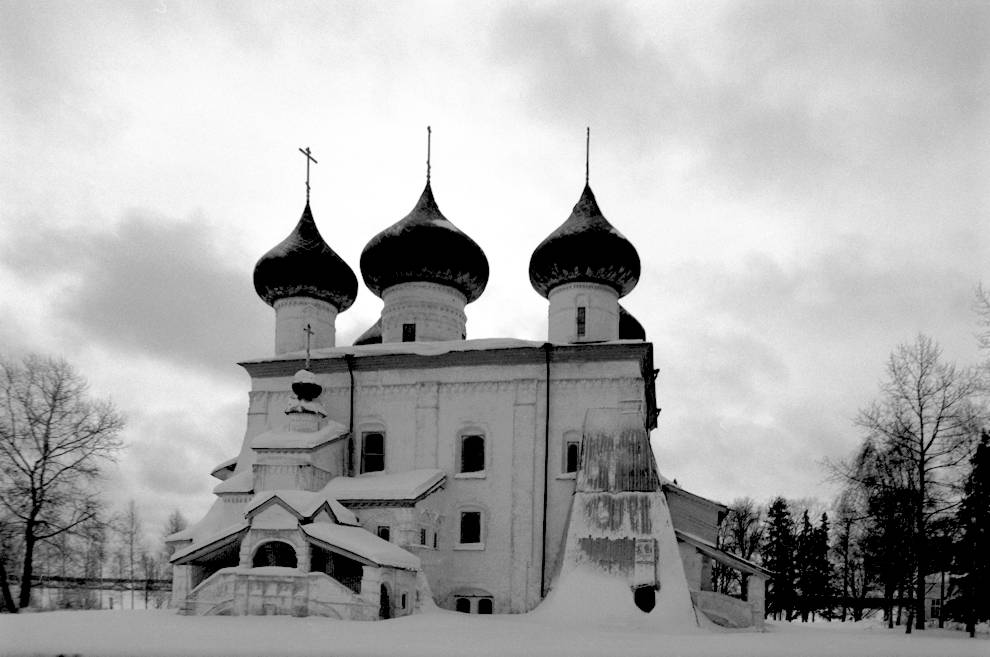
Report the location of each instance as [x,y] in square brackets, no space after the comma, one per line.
[55,441]
[912,515]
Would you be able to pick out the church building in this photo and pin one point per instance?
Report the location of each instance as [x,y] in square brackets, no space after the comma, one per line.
[418,467]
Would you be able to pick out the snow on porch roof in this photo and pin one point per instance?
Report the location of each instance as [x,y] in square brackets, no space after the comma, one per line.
[242,482]
[730,560]
[409,485]
[209,544]
[299,439]
[305,503]
[362,543]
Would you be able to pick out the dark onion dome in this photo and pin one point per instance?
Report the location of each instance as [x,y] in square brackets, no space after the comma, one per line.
[372,336]
[585,248]
[302,265]
[424,246]
[629,326]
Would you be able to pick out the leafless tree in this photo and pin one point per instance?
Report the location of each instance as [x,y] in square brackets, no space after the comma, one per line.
[53,440]
[926,419]
[129,528]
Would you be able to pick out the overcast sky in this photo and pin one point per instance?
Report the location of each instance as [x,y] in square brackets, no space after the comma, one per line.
[807,186]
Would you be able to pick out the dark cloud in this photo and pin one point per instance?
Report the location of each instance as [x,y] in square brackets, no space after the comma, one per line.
[152,286]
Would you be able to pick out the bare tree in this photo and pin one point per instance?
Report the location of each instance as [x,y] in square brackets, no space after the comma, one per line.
[128,526]
[53,440]
[927,420]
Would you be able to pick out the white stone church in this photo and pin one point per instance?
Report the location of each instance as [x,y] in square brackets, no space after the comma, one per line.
[418,467]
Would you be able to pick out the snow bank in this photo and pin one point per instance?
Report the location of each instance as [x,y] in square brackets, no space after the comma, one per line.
[440,634]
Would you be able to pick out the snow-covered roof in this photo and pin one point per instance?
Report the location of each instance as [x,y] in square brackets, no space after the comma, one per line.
[362,543]
[221,515]
[223,470]
[419,348]
[721,556]
[284,439]
[242,482]
[305,503]
[408,485]
[211,542]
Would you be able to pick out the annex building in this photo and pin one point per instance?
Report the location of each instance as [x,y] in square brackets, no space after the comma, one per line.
[419,467]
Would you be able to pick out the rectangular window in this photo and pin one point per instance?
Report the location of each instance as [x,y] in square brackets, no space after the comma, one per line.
[470,527]
[384,532]
[472,453]
[581,311]
[436,541]
[409,333]
[372,451]
[422,536]
[571,453]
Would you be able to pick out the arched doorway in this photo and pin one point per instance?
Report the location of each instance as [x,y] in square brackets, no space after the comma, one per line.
[274,553]
[645,598]
[385,604]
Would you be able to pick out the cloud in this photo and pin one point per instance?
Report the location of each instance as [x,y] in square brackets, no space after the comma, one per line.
[151,286]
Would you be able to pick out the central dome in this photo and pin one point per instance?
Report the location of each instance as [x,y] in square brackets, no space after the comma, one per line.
[424,246]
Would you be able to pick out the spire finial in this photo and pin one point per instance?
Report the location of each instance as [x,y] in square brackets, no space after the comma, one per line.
[429,138]
[587,153]
[309,158]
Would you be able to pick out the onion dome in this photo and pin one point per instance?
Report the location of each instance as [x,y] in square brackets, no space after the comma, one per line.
[302,265]
[424,247]
[305,385]
[372,336]
[585,248]
[629,326]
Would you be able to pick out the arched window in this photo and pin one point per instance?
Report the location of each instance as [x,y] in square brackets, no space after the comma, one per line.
[372,451]
[484,605]
[472,453]
[274,553]
[463,605]
[571,457]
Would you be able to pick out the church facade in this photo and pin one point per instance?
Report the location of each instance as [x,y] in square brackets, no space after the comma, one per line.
[418,467]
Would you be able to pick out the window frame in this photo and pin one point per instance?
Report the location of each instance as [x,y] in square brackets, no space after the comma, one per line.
[364,452]
[581,321]
[409,332]
[482,534]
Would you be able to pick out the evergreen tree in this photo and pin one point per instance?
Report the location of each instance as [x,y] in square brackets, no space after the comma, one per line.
[804,575]
[822,567]
[972,563]
[778,557]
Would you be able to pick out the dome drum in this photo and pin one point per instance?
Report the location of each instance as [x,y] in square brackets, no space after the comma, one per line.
[423,312]
[583,312]
[292,314]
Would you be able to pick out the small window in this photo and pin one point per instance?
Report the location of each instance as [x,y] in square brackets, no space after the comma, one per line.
[403,600]
[463,605]
[470,527]
[409,333]
[384,532]
[581,312]
[571,452]
[422,536]
[436,541]
[472,453]
[373,452]
[484,605]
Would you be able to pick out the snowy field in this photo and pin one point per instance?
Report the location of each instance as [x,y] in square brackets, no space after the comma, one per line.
[441,633]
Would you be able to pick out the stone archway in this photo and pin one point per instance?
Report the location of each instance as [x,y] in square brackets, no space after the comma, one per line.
[274,553]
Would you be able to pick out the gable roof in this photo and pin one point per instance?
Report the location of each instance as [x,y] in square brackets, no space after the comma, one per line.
[304,504]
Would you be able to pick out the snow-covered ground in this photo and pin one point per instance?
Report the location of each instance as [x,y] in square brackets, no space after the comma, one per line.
[441,633]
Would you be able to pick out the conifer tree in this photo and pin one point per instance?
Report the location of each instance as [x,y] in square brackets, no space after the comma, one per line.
[972,562]
[804,565]
[778,557]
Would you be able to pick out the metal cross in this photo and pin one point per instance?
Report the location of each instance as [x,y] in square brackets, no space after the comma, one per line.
[587,153]
[309,333]
[309,158]
[429,136]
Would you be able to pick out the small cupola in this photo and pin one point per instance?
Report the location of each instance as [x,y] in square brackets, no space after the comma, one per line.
[583,268]
[426,270]
[306,283]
